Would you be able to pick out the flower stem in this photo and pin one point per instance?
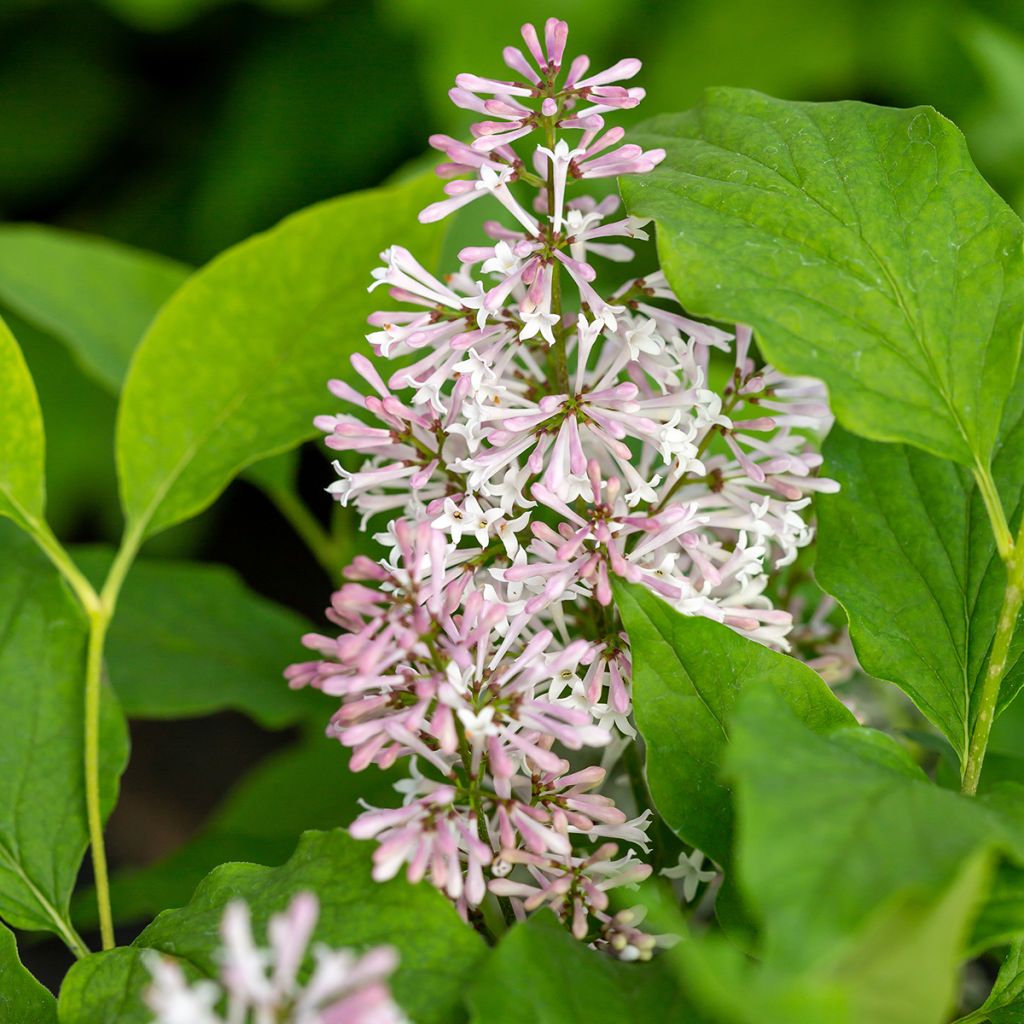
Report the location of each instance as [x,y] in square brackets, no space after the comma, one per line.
[559,361]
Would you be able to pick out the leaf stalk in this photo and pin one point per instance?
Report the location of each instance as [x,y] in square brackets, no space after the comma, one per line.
[1012,554]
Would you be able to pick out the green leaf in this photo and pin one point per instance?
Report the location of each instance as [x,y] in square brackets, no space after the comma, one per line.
[1002,918]
[906,548]
[904,968]
[43,833]
[901,968]
[540,973]
[22,999]
[864,247]
[688,673]
[307,786]
[234,367]
[96,296]
[22,441]
[735,989]
[831,829]
[191,639]
[438,951]
[1005,1004]
[81,484]
[106,988]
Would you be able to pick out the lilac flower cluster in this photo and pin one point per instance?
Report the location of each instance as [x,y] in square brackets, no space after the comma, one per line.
[534,442]
[261,986]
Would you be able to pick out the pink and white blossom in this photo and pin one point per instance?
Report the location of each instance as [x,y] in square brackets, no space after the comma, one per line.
[539,437]
[260,985]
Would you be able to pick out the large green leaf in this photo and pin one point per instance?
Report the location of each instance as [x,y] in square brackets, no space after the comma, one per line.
[901,968]
[833,829]
[904,968]
[97,296]
[688,673]
[43,833]
[906,547]
[864,247]
[191,639]
[22,441]
[233,368]
[106,988]
[540,973]
[22,999]
[732,988]
[438,951]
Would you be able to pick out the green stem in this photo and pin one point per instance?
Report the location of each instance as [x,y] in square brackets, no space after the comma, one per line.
[73,576]
[99,620]
[99,610]
[559,361]
[994,508]
[1013,598]
[1012,554]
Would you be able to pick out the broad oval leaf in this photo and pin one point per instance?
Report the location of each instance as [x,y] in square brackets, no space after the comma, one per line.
[95,295]
[832,829]
[43,833]
[22,440]
[233,368]
[906,548]
[861,243]
[539,972]
[22,999]
[904,967]
[438,951]
[688,674]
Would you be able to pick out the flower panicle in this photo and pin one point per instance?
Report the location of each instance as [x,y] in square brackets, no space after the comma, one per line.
[537,437]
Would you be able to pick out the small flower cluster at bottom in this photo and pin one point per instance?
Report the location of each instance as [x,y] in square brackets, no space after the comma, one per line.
[261,986]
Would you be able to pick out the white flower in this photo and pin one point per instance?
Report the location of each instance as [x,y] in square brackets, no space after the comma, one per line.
[173,999]
[478,723]
[480,372]
[261,985]
[537,321]
[644,339]
[690,871]
[471,518]
[503,262]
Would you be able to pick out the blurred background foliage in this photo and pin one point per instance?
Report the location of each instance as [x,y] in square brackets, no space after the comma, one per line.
[183,126]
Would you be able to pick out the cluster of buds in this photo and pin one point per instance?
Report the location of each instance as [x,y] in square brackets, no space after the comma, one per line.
[535,442]
[261,986]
